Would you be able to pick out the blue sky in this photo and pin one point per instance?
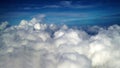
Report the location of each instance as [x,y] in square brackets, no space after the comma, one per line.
[82,12]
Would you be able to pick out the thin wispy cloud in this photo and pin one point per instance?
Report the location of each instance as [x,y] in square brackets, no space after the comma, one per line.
[68,4]
[51,6]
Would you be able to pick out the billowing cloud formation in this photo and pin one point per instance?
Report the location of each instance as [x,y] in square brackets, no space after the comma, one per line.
[34,45]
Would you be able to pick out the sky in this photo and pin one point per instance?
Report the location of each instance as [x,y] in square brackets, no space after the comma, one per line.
[51,34]
[82,12]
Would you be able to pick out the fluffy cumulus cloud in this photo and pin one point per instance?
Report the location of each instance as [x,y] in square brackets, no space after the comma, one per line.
[34,45]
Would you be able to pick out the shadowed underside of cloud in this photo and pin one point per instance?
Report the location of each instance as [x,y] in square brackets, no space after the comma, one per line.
[34,45]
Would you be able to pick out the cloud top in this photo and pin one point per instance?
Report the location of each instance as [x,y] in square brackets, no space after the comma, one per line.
[34,45]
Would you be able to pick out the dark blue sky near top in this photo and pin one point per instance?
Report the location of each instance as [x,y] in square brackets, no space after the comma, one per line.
[82,12]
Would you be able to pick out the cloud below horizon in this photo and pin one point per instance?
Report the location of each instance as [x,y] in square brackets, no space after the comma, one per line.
[34,45]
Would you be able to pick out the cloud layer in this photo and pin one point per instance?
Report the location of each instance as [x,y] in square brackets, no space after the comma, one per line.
[34,45]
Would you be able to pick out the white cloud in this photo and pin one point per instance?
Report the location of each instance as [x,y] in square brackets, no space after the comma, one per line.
[34,45]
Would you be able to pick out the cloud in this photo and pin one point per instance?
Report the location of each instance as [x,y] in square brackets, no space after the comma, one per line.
[68,14]
[31,8]
[112,16]
[51,6]
[62,17]
[3,25]
[34,45]
[40,17]
[66,3]
[69,4]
